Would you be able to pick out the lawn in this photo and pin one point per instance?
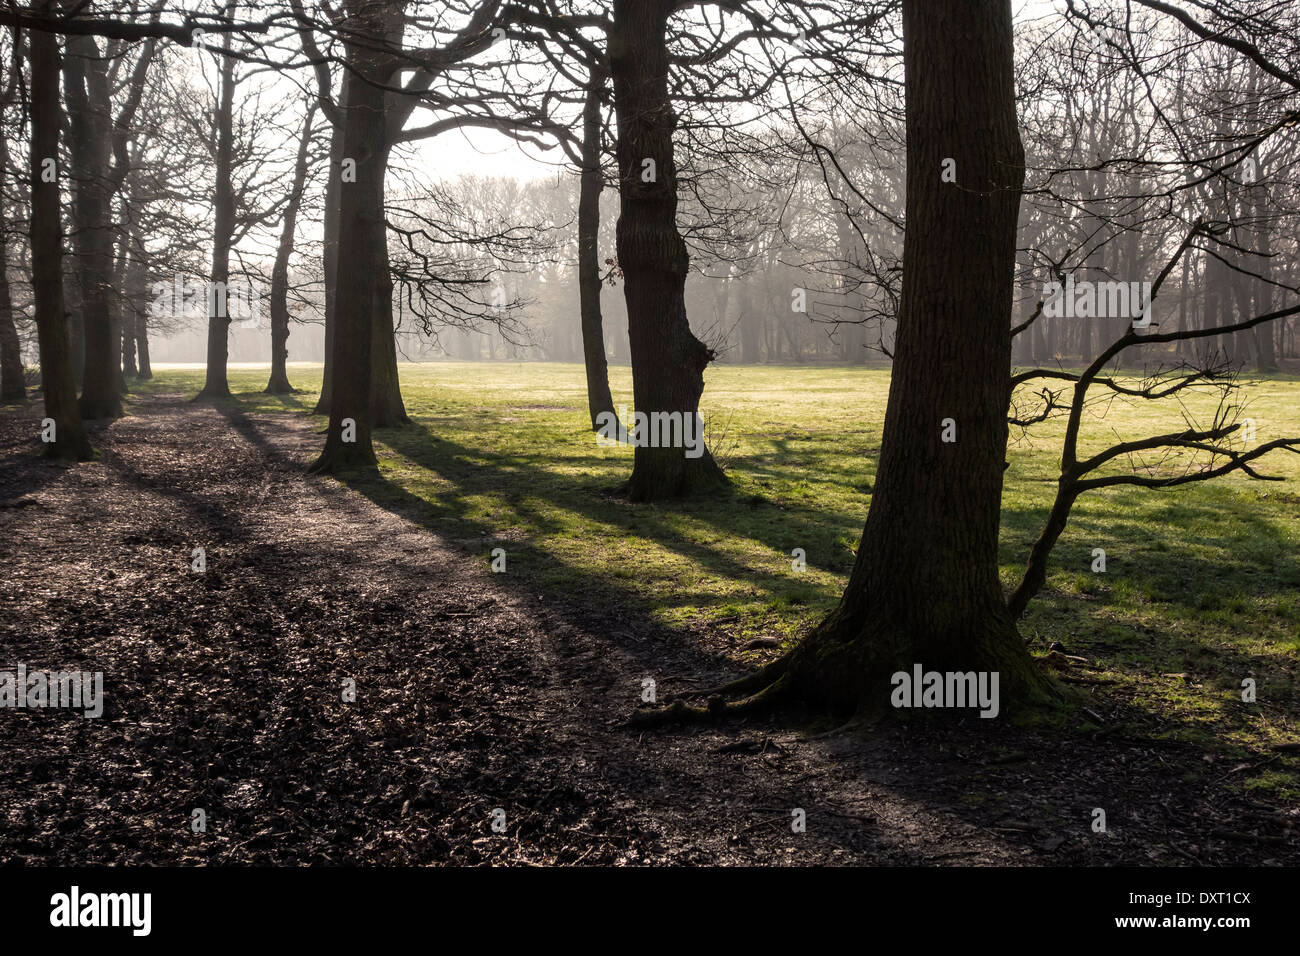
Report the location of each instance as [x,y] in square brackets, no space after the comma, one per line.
[1201,588]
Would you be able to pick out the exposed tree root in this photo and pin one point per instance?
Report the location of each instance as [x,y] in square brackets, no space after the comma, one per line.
[750,683]
[679,712]
[849,676]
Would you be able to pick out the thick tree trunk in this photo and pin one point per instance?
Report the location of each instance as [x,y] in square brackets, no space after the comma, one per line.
[668,361]
[387,409]
[279,383]
[47,255]
[216,383]
[925,587]
[12,386]
[599,398]
[90,148]
[333,189]
[360,235]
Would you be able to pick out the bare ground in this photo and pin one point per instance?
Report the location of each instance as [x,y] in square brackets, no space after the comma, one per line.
[224,693]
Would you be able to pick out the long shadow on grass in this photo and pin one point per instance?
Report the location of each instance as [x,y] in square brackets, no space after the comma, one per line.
[1169,603]
[607,606]
[517,480]
[621,618]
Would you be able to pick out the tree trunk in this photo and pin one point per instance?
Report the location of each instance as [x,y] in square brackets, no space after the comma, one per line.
[129,369]
[142,343]
[387,409]
[120,310]
[90,148]
[599,398]
[668,361]
[12,386]
[925,587]
[361,232]
[279,383]
[386,406]
[137,306]
[333,189]
[216,383]
[76,327]
[47,254]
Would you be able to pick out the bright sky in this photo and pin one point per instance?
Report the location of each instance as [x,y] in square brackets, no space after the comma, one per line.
[487,153]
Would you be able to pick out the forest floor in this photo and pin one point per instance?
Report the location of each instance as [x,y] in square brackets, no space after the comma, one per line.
[475,692]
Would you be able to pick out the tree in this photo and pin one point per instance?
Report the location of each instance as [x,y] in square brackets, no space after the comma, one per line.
[47,252]
[361,226]
[279,383]
[97,145]
[599,399]
[215,384]
[12,386]
[925,588]
[668,361]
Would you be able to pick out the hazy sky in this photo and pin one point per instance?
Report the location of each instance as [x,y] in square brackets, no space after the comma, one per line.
[487,153]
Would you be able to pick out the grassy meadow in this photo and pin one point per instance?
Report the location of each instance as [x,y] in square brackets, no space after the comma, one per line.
[1201,588]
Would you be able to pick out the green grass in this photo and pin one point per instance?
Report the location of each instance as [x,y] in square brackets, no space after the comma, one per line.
[1201,581]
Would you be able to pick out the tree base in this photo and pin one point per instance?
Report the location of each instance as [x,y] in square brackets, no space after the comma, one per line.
[663,479]
[340,459]
[390,420]
[77,449]
[847,671]
[97,409]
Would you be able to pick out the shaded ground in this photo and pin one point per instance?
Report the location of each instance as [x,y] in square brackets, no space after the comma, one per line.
[224,692]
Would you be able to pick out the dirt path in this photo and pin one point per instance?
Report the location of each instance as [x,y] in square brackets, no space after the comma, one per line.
[224,693]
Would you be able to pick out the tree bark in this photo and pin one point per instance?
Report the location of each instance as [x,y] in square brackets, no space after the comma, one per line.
[925,586]
[360,234]
[85,76]
[13,388]
[59,392]
[129,369]
[121,309]
[279,383]
[137,295]
[333,188]
[668,361]
[387,409]
[142,344]
[599,398]
[216,383]
[386,406]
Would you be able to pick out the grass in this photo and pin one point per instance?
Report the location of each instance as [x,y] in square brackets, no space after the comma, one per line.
[1201,588]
